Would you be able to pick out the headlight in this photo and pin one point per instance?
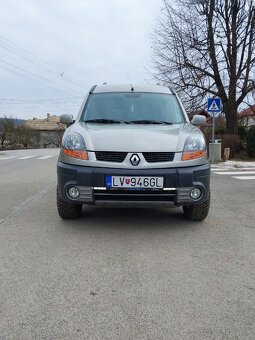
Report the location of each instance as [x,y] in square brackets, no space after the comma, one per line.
[74,146]
[194,147]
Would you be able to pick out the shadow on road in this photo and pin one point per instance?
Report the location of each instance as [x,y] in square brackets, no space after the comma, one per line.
[132,219]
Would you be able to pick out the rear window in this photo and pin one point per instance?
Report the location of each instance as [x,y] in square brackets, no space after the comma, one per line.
[133,106]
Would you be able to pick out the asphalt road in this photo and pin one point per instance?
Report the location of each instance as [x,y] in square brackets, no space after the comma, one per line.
[122,273]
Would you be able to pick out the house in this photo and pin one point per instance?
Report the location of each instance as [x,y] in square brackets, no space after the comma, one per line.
[247,116]
[46,132]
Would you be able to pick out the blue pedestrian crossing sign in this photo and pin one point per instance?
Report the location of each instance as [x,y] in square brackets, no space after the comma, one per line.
[213,105]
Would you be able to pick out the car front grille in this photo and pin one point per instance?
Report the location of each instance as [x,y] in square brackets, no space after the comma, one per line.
[119,157]
[111,156]
[155,157]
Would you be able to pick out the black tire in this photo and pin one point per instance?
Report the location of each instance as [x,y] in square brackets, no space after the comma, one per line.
[197,212]
[68,210]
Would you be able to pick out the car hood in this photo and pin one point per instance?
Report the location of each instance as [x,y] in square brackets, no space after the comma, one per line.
[134,138]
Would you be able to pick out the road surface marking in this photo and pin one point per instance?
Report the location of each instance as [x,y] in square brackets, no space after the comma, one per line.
[232,169]
[28,157]
[45,157]
[244,177]
[236,173]
[25,157]
[9,157]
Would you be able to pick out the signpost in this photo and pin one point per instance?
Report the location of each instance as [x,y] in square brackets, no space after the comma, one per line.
[213,107]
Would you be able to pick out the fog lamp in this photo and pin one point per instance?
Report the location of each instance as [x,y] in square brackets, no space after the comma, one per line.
[73,192]
[195,193]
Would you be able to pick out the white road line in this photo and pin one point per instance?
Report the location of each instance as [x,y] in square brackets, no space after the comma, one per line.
[231,169]
[244,177]
[9,157]
[236,173]
[45,157]
[25,157]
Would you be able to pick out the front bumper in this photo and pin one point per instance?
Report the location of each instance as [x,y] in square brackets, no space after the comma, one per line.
[178,182]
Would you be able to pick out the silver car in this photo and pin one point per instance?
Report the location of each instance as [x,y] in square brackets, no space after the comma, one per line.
[133,146]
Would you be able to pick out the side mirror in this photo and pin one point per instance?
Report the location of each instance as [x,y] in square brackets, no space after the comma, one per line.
[198,120]
[66,119]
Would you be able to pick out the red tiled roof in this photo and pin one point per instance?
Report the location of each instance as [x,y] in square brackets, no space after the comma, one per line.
[248,112]
[201,112]
[51,123]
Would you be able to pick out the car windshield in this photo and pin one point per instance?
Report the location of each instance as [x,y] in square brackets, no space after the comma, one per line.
[133,108]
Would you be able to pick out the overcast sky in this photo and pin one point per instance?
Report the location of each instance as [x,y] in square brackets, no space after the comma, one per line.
[71,46]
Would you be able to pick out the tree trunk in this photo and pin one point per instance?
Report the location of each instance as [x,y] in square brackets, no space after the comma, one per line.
[230,110]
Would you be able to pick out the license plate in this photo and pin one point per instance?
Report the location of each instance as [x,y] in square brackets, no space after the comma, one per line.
[134,182]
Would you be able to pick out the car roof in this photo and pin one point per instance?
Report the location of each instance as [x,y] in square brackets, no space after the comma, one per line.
[128,88]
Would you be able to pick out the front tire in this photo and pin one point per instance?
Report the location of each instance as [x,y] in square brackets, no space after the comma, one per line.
[68,210]
[197,212]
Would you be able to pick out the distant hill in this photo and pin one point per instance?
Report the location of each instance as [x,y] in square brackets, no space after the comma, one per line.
[16,121]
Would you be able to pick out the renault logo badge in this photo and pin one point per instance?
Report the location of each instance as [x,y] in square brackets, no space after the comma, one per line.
[134,159]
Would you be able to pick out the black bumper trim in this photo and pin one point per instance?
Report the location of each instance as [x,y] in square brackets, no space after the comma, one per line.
[186,177]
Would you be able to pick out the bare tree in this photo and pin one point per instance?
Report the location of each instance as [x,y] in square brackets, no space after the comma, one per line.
[7,127]
[52,138]
[23,135]
[207,48]
[13,134]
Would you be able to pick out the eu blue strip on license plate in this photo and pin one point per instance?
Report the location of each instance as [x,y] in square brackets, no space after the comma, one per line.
[108,181]
[134,182]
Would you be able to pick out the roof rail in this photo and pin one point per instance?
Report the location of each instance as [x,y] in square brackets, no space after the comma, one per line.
[172,89]
[92,89]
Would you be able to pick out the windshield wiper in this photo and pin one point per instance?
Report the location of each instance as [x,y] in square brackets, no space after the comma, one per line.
[106,121]
[144,121]
[115,121]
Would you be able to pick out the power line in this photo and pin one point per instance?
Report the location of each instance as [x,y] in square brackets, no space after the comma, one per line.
[36,75]
[27,59]
[45,103]
[9,42]
[58,75]
[38,83]
[38,100]
[28,56]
